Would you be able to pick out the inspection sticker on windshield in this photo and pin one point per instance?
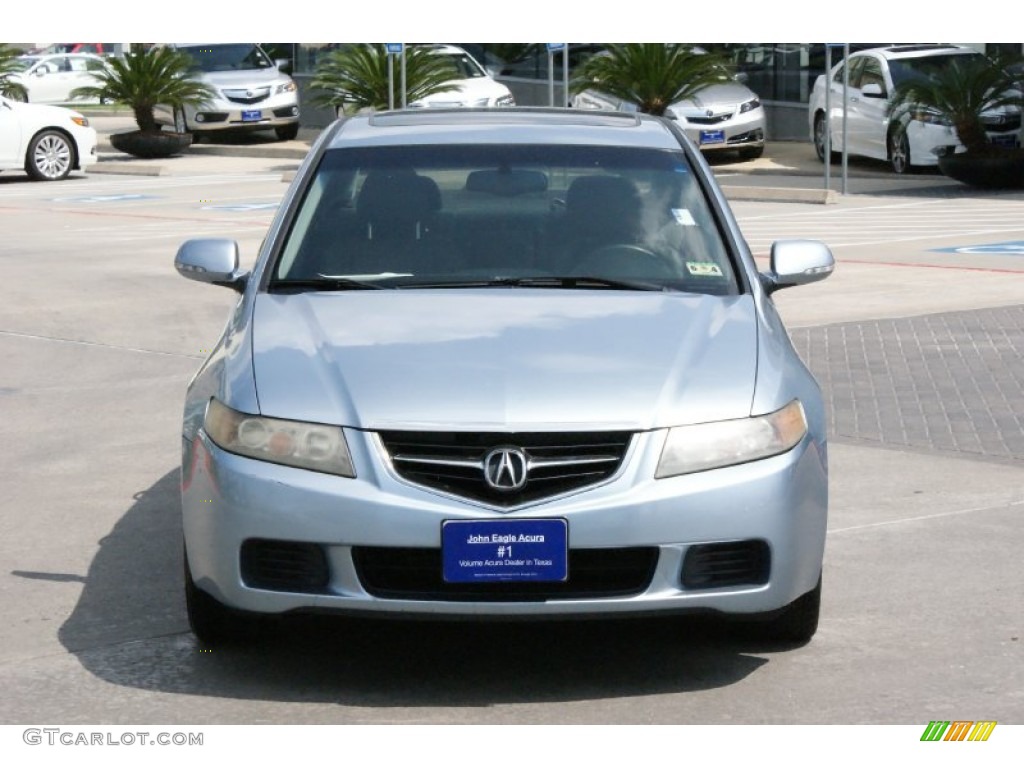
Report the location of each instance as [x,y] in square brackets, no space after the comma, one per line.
[684,217]
[703,268]
[505,550]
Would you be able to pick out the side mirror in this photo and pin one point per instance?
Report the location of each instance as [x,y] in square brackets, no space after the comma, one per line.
[872,91]
[213,261]
[797,262]
[284,65]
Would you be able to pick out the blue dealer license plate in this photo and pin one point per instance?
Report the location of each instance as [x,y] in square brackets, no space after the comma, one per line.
[505,550]
[712,137]
[251,115]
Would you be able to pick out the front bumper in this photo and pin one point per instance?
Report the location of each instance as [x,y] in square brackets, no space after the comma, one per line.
[929,140]
[746,130]
[229,501]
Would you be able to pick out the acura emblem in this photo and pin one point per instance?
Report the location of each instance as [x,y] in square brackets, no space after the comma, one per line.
[505,469]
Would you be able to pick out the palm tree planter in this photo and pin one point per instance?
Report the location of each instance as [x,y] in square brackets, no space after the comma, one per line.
[142,80]
[151,145]
[1000,170]
[962,95]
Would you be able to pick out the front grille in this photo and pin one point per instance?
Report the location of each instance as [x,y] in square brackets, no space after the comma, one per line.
[706,120]
[726,564]
[401,573]
[248,96]
[557,462]
[284,566]
[1002,122]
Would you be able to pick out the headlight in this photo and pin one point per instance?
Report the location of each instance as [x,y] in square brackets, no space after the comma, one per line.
[505,101]
[286,87]
[480,102]
[79,120]
[319,447]
[927,116]
[698,447]
[750,106]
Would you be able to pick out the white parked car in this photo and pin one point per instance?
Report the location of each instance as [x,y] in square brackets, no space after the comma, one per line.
[252,92]
[473,88]
[50,79]
[874,73]
[724,117]
[44,141]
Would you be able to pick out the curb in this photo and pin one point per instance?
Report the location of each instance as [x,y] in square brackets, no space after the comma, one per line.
[780,194]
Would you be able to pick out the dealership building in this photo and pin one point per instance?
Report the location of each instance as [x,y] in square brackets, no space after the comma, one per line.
[781,74]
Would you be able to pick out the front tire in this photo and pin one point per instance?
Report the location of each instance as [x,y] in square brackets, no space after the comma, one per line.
[212,622]
[819,138]
[751,153]
[288,132]
[50,156]
[796,624]
[899,152]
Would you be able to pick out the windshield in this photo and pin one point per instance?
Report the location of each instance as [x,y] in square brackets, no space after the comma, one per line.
[923,67]
[465,66]
[502,215]
[225,58]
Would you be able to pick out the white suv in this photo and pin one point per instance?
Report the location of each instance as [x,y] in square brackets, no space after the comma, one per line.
[874,73]
[252,92]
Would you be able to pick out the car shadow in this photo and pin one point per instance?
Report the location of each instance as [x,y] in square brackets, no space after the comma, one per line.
[129,628]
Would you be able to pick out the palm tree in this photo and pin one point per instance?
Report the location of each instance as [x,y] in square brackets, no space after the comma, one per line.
[9,88]
[357,75]
[653,76]
[145,78]
[960,93]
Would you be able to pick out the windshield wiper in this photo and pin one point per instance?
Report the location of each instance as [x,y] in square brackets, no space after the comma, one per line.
[545,281]
[324,284]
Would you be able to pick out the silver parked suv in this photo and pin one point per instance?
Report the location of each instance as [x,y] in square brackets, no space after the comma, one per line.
[504,363]
[252,92]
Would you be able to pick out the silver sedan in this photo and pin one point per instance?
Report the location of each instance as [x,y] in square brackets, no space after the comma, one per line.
[504,363]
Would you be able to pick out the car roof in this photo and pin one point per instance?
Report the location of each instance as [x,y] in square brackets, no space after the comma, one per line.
[917,51]
[516,125]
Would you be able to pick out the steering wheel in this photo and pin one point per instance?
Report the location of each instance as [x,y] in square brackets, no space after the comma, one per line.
[625,260]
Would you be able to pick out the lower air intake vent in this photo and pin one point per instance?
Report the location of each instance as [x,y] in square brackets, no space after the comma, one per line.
[728,564]
[284,566]
[415,574]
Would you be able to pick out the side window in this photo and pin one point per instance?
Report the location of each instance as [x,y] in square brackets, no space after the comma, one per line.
[871,74]
[838,77]
[856,68]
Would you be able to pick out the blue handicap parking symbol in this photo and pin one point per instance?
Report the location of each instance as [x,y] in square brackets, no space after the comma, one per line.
[1011,248]
[242,207]
[102,198]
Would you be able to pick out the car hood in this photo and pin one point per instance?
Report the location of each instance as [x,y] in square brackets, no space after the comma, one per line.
[43,114]
[722,97]
[464,92]
[504,359]
[244,78]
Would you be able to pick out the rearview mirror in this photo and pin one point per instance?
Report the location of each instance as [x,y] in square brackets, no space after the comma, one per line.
[213,261]
[797,262]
